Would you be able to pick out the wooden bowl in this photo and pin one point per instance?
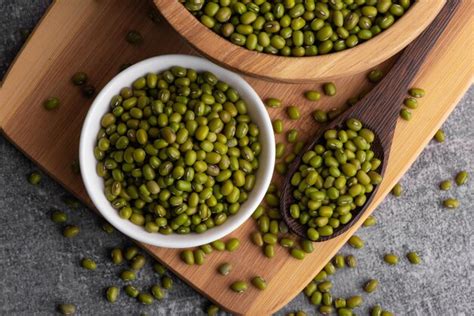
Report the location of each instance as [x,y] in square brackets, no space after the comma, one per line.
[301,69]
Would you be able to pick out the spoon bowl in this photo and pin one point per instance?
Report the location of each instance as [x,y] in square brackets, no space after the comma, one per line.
[380,152]
[378,111]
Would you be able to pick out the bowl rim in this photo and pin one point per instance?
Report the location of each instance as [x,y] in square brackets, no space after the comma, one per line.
[300,69]
[94,184]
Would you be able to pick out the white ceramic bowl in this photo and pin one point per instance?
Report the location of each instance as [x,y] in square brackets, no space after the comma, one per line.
[95,186]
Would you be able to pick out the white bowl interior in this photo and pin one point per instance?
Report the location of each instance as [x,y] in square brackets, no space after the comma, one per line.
[95,185]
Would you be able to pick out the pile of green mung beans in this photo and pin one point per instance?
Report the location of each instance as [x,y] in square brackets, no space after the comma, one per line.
[411,103]
[197,256]
[80,79]
[319,290]
[136,262]
[296,27]
[334,179]
[178,151]
[460,179]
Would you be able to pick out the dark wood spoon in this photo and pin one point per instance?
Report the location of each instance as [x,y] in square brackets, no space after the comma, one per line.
[378,111]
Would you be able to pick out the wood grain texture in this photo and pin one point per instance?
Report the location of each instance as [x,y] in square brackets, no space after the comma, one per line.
[89,35]
[301,69]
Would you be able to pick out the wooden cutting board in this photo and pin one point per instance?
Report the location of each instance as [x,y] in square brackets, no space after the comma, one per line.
[89,35]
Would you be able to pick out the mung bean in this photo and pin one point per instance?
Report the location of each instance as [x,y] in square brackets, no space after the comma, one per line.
[212,310]
[375,75]
[225,268]
[51,103]
[376,311]
[371,286]
[207,248]
[307,246]
[58,216]
[461,177]
[187,256]
[445,185]
[397,190]
[157,292]
[257,238]
[325,309]
[293,112]
[339,261]
[339,303]
[88,264]
[199,256]
[292,136]
[145,298]
[232,244]
[79,78]
[219,245]
[106,227]
[278,126]
[410,103]
[67,309]
[131,252]
[297,253]
[351,261]
[356,242]
[71,231]
[439,136]
[370,221]
[159,268]
[259,283]
[451,203]
[166,282]
[273,102]
[413,257]
[312,95]
[329,89]
[128,275]
[269,251]
[131,291]
[34,178]
[405,114]
[137,262]
[416,92]
[320,116]
[112,294]
[88,90]
[354,301]
[134,37]
[239,286]
[286,242]
[391,258]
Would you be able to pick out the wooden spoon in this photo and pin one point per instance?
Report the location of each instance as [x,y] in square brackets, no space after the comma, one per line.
[378,111]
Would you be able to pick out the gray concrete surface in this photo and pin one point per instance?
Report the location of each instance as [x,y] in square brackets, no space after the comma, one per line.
[39,268]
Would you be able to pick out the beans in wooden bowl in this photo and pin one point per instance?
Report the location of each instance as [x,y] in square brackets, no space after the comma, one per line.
[295,27]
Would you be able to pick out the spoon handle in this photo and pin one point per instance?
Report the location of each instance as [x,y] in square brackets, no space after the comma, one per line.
[387,96]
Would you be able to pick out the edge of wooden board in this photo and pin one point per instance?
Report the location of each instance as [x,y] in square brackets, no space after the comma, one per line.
[4,112]
[331,247]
